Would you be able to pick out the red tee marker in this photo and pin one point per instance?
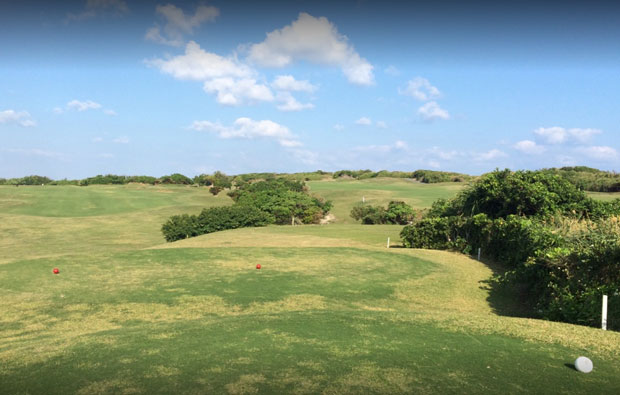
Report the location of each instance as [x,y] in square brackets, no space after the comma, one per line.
[258,265]
[56,271]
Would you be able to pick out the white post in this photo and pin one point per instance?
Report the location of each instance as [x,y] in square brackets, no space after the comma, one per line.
[293,221]
[363,199]
[604,315]
[479,253]
[388,243]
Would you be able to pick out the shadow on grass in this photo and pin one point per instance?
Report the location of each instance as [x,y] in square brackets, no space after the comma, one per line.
[571,366]
[505,301]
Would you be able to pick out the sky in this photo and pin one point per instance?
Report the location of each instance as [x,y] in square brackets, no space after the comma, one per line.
[152,88]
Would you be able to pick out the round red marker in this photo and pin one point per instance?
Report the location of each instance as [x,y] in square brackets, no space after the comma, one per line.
[56,271]
[258,266]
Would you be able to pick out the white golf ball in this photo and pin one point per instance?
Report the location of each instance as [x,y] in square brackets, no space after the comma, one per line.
[583,364]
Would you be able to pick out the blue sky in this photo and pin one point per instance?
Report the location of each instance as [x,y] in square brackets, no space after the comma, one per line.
[115,86]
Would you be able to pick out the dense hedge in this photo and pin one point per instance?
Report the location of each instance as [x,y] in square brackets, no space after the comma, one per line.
[520,220]
[396,213]
[275,201]
[213,220]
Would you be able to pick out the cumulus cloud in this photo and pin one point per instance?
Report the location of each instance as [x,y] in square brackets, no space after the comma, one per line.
[490,155]
[314,40]
[420,89]
[94,8]
[529,147]
[246,128]
[289,83]
[600,152]
[179,23]
[83,105]
[234,92]
[289,103]
[200,65]
[21,118]
[364,121]
[431,111]
[559,135]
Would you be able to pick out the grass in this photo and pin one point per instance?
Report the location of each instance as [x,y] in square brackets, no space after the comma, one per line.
[331,311]
[379,191]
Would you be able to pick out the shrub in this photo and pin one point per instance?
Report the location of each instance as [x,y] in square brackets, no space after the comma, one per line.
[213,220]
[396,213]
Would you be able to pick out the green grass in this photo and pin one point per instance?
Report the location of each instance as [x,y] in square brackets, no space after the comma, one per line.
[606,196]
[379,191]
[331,311]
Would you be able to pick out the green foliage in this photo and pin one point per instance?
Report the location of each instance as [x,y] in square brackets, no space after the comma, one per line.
[527,193]
[396,213]
[175,178]
[434,176]
[283,199]
[213,219]
[510,216]
[256,204]
[589,179]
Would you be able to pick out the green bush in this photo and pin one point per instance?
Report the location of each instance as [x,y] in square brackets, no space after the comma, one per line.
[213,219]
[396,213]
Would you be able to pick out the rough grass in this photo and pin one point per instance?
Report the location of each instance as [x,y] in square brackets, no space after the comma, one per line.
[331,311]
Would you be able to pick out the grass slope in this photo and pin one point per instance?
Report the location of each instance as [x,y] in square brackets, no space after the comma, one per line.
[345,193]
[331,311]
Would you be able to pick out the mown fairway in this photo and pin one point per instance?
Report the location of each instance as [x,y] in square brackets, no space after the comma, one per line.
[331,311]
[345,193]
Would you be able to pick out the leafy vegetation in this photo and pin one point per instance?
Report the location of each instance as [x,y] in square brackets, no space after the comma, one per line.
[589,179]
[514,218]
[274,201]
[399,213]
[214,219]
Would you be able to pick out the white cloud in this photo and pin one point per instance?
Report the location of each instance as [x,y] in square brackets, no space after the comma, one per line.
[289,103]
[83,105]
[95,8]
[315,40]
[529,147]
[490,155]
[382,125]
[559,135]
[246,128]
[600,152]
[110,112]
[339,127]
[178,23]
[434,164]
[420,89]
[234,92]
[305,156]
[431,111]
[97,139]
[401,145]
[445,155]
[197,64]
[58,110]
[289,83]
[364,121]
[21,118]
[121,140]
